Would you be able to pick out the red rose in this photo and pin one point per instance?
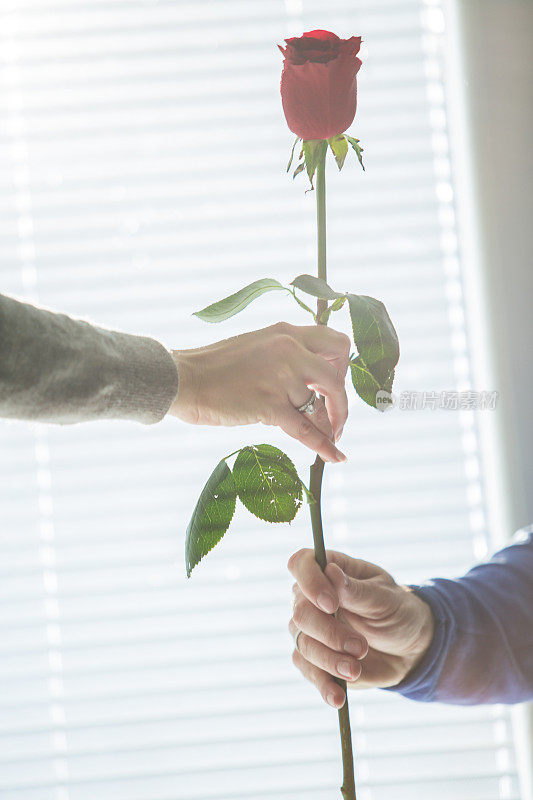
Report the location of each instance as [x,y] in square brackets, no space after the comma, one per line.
[319,84]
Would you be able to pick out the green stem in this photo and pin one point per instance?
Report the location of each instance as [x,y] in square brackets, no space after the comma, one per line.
[233,454]
[315,486]
[302,304]
[321,225]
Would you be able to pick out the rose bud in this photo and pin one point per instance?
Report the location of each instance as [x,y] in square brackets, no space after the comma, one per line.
[319,83]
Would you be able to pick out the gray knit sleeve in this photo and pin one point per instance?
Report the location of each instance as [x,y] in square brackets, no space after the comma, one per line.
[57,369]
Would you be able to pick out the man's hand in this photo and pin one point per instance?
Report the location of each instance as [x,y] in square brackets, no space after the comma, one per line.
[383,631]
[264,376]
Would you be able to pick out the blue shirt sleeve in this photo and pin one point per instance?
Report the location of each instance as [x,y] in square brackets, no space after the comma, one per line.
[482,649]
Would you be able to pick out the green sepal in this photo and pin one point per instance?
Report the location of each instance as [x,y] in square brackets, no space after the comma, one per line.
[299,168]
[356,146]
[314,152]
[339,148]
[316,287]
[292,152]
[211,517]
[267,483]
[229,306]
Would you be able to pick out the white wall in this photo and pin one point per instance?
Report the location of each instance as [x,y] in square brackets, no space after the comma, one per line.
[498,78]
[494,113]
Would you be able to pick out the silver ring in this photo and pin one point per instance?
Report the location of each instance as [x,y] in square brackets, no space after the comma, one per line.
[309,406]
[296,641]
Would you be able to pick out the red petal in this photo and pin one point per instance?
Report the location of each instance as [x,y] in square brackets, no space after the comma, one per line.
[319,100]
[351,45]
[321,35]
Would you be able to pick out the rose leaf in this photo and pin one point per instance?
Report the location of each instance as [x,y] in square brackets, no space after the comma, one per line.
[211,517]
[267,483]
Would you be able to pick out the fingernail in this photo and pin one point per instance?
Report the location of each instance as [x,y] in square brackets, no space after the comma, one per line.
[339,434]
[331,700]
[345,579]
[344,668]
[355,647]
[341,457]
[326,602]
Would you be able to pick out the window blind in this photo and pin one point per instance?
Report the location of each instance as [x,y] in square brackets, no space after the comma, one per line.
[142,176]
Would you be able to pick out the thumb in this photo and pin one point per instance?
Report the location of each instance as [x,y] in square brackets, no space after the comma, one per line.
[367,597]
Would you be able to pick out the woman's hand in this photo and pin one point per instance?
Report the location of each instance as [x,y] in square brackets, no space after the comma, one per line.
[382,632]
[265,376]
